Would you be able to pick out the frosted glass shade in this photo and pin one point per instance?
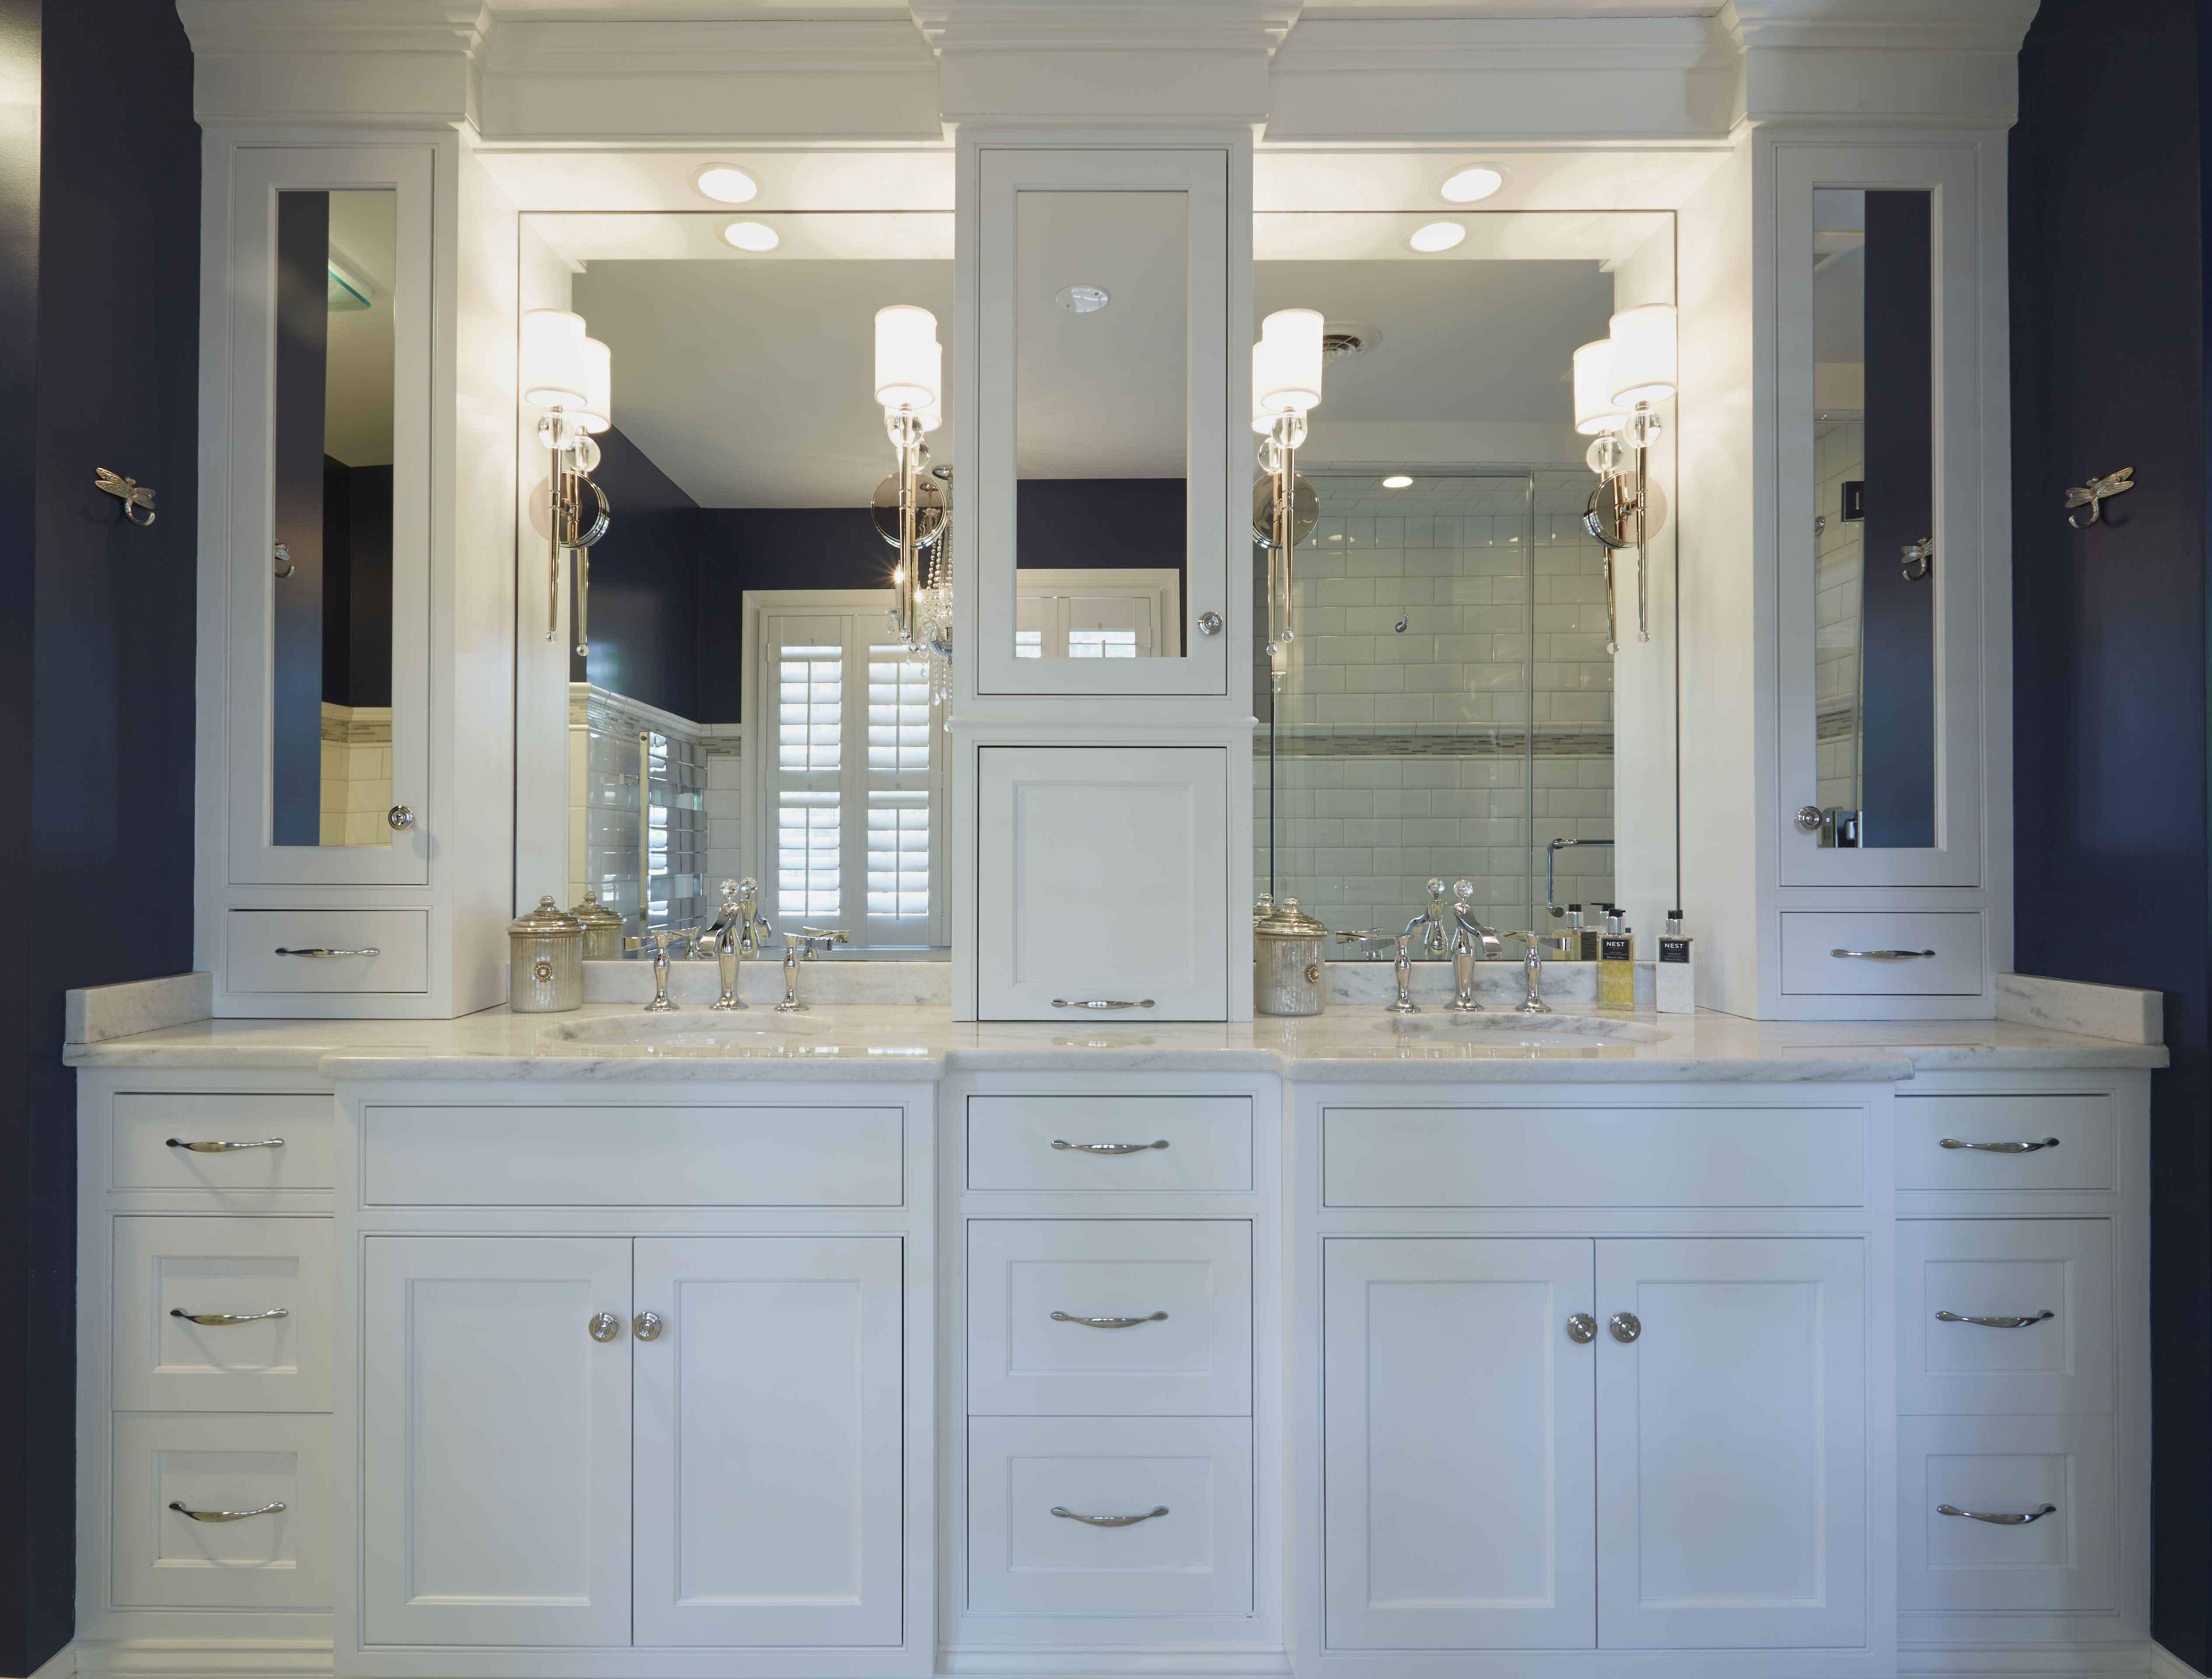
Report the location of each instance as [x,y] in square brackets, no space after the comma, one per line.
[553,371]
[1643,354]
[597,412]
[1595,410]
[1286,363]
[909,361]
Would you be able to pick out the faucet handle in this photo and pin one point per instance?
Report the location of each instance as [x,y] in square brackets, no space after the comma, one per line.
[830,936]
[1372,945]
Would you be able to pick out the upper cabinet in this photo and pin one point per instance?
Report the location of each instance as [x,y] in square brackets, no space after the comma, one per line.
[352,832]
[1881,407]
[1108,341]
[325,511]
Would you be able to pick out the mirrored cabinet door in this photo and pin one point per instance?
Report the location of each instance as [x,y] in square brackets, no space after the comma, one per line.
[1102,375]
[325,517]
[1879,440]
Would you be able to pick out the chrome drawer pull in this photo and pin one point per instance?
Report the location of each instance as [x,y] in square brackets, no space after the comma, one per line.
[225,1515]
[1993,1323]
[1108,1323]
[1109,1148]
[1098,1002]
[1884,955]
[2000,1519]
[318,950]
[218,1319]
[1999,1148]
[225,1147]
[1110,1521]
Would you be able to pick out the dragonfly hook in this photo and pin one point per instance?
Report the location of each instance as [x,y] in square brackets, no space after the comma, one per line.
[2092,495]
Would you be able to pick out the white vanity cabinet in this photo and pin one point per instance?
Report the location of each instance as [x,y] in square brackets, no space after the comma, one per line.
[629,1411]
[1599,1376]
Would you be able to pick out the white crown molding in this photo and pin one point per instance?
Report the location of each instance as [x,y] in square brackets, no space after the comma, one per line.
[379,63]
[1925,64]
[986,26]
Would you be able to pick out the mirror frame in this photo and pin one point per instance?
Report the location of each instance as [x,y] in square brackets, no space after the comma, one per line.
[1216,376]
[1970,418]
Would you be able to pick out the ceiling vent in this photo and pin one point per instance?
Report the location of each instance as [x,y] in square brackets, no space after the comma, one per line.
[1342,340]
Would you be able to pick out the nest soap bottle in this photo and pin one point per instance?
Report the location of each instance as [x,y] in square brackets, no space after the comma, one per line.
[1675,974]
[1616,964]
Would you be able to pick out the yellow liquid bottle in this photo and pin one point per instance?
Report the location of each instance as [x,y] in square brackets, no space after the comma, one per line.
[1616,966]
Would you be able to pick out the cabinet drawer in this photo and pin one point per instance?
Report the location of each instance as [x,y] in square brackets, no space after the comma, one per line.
[2007,1465]
[171,1271]
[2006,1270]
[1593,1157]
[207,1461]
[1193,1559]
[1188,1283]
[633,1156]
[1054,1142]
[399,939]
[289,1139]
[1812,967]
[2077,1132]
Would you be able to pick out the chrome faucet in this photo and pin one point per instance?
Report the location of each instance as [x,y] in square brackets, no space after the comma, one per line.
[1532,966]
[660,939]
[1405,1004]
[1469,937]
[803,946]
[734,937]
[1431,924]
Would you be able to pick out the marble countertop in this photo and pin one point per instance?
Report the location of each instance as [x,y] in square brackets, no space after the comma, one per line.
[887,1042]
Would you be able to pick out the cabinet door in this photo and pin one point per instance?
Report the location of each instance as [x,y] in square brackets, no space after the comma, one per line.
[768,1441]
[495,1441]
[1107,871]
[1731,1445]
[1456,1444]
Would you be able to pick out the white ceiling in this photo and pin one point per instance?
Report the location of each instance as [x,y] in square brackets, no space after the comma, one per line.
[747,378]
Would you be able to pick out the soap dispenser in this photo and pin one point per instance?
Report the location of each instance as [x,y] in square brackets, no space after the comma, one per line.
[1616,963]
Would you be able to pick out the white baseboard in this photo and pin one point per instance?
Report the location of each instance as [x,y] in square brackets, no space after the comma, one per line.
[2165,1665]
[62,1665]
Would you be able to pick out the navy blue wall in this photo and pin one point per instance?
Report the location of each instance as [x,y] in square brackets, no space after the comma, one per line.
[99,345]
[773,547]
[2109,637]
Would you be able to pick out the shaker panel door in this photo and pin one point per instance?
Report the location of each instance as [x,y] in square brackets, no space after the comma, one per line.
[1731,1442]
[496,1441]
[1104,876]
[1457,1443]
[770,1491]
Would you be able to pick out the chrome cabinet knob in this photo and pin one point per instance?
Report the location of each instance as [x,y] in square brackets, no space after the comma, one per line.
[1209,623]
[400,817]
[604,1326]
[1625,1326]
[1808,818]
[647,1325]
[1582,1329]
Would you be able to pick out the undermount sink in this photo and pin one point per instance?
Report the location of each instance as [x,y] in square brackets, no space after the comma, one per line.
[684,1034]
[1523,1031]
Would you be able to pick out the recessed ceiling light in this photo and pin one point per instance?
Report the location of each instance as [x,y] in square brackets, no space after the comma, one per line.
[1437,236]
[1470,184]
[726,184]
[751,236]
[1082,300]
[1398,481]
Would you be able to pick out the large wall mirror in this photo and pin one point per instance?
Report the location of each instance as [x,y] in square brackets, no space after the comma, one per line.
[330,561]
[725,661]
[1457,677]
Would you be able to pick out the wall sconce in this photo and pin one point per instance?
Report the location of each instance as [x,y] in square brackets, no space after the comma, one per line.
[1286,366]
[1617,381]
[571,376]
[910,384]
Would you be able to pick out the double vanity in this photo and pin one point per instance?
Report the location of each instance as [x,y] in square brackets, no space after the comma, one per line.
[860,1342]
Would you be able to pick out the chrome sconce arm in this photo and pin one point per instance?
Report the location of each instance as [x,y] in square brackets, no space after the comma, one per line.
[575,456]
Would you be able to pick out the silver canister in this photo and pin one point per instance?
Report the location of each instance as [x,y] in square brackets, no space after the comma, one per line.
[546,961]
[603,930]
[1287,950]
